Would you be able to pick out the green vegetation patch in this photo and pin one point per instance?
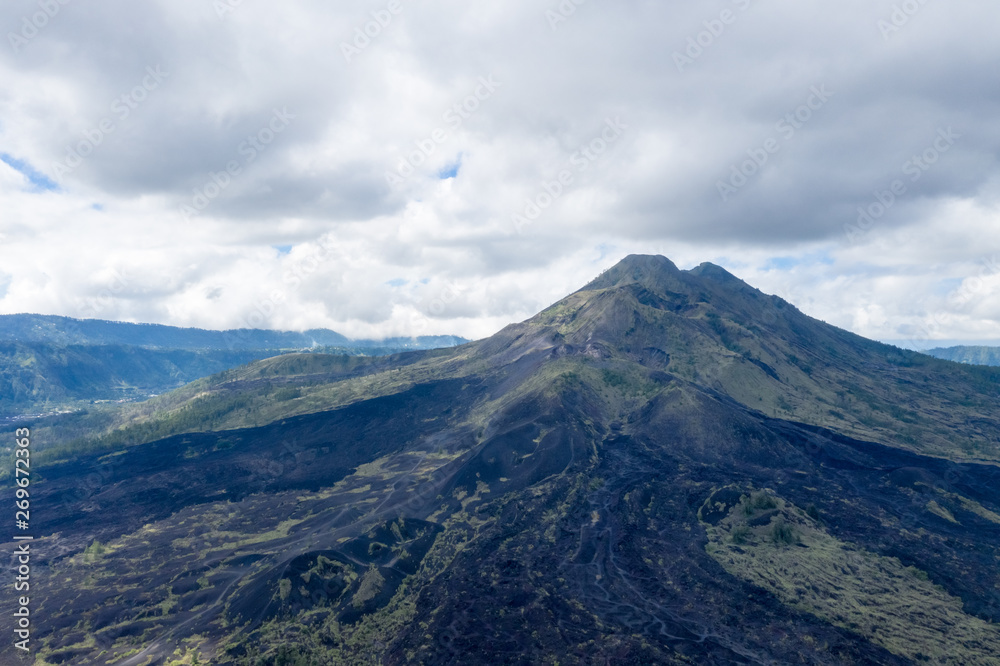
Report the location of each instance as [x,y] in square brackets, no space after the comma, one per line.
[371,585]
[897,607]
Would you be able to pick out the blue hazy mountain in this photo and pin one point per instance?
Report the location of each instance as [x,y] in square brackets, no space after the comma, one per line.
[975,355]
[50,362]
[66,331]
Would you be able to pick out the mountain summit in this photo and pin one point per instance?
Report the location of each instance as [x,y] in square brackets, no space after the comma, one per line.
[646,269]
[712,329]
[656,272]
[664,467]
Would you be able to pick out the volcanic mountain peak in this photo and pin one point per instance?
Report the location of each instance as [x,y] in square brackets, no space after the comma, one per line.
[645,269]
[708,327]
[647,299]
[657,273]
[713,272]
[706,290]
[666,467]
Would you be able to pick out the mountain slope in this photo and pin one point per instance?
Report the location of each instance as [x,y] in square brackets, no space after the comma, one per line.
[665,467]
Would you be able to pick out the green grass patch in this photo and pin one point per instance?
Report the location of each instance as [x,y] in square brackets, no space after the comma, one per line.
[897,607]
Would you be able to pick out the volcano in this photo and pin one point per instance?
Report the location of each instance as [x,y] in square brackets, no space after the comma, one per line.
[665,467]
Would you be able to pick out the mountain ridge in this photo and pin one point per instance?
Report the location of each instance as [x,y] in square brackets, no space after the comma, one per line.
[68,330]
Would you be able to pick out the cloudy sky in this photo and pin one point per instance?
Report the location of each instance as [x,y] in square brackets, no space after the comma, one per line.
[397,167]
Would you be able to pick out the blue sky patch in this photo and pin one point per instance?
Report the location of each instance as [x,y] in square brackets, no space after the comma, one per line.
[39,180]
[783,263]
[788,263]
[946,286]
[451,170]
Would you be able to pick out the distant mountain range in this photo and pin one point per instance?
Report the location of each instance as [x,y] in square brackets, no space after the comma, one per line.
[68,331]
[50,363]
[976,355]
[664,467]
